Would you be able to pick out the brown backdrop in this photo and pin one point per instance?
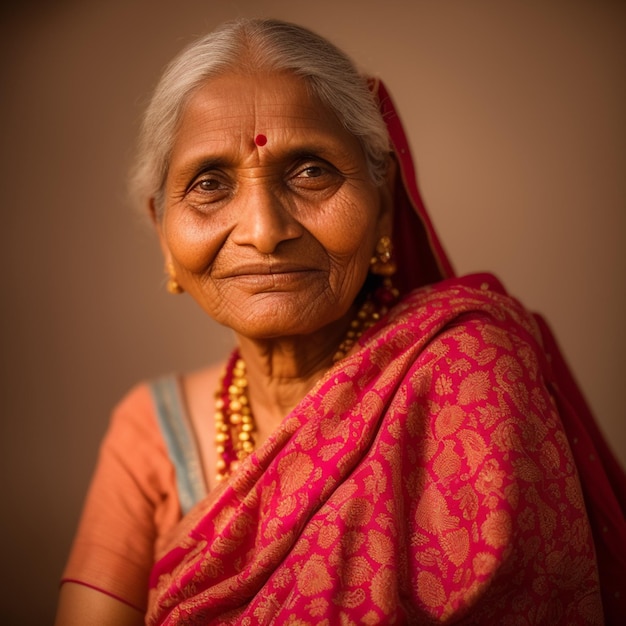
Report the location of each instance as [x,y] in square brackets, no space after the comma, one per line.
[516,115]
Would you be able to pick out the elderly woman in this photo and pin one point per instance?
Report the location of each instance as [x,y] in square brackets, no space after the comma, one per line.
[387,443]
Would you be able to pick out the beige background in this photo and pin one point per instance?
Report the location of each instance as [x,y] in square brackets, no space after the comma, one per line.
[516,116]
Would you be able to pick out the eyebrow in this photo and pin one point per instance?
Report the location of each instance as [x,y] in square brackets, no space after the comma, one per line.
[204,164]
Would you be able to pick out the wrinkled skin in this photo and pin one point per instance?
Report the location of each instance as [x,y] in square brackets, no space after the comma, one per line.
[275,240]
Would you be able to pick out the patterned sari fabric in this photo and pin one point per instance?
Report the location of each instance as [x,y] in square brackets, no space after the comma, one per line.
[426,479]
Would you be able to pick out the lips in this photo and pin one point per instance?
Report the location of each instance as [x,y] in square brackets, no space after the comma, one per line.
[265,269]
[279,276]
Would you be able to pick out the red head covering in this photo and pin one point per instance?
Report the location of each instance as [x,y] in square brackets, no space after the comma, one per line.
[418,251]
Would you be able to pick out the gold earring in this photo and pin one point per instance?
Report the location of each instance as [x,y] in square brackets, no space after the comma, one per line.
[172,286]
[382,263]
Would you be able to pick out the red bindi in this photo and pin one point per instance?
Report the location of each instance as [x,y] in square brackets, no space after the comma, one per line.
[260,140]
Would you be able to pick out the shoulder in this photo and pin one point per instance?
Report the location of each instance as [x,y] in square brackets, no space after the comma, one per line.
[134,464]
[136,407]
[137,410]
[141,422]
[133,424]
[460,294]
[455,302]
[135,443]
[473,346]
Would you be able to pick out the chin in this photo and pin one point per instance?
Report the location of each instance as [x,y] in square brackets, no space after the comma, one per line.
[273,315]
[260,330]
[275,324]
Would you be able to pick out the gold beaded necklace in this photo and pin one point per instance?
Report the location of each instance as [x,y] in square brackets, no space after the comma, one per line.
[234,423]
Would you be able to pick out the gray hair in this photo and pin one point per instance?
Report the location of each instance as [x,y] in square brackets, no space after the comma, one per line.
[251,45]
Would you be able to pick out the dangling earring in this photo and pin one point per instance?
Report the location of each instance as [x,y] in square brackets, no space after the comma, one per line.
[382,263]
[172,284]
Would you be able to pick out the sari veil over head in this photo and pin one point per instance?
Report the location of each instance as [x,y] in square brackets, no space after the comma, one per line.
[421,479]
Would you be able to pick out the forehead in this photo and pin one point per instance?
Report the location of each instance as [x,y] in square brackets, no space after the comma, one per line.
[232,109]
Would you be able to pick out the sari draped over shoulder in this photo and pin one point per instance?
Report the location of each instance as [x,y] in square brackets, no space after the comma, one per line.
[447,471]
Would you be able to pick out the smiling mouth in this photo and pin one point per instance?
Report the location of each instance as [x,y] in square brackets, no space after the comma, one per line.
[279,277]
[270,268]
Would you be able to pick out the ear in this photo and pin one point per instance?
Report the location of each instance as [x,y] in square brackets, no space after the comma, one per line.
[385,220]
[152,211]
[157,222]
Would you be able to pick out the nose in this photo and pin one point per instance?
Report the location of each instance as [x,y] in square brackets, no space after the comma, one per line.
[264,220]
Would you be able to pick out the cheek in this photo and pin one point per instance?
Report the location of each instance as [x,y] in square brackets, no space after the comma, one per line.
[192,243]
[350,231]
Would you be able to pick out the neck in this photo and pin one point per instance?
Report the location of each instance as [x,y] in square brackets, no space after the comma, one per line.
[281,372]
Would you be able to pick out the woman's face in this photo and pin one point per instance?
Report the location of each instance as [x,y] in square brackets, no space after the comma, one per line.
[270,217]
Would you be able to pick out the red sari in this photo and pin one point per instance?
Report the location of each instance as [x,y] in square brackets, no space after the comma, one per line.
[448,471]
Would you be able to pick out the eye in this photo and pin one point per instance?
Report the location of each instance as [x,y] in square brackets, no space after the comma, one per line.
[207,184]
[314,171]
[315,175]
[208,187]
